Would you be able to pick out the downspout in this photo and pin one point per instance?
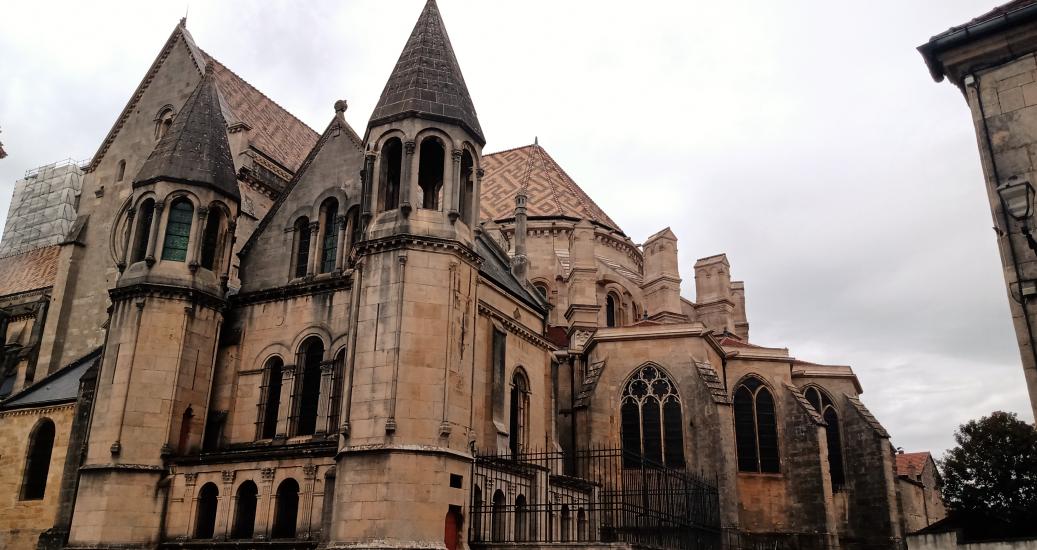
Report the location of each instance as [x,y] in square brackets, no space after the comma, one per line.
[1005,221]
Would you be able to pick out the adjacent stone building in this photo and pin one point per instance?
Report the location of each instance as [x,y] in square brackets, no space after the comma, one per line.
[992,60]
[918,483]
[260,335]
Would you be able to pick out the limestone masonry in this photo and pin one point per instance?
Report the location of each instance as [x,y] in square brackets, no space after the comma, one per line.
[238,332]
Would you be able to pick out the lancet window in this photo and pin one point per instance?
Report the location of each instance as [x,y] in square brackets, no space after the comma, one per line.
[178,230]
[302,246]
[824,406]
[37,461]
[329,234]
[519,421]
[270,405]
[756,428]
[430,172]
[391,166]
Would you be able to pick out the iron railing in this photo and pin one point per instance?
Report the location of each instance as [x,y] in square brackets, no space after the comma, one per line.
[596,495]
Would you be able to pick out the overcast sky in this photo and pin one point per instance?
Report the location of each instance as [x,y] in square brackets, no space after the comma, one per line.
[805,139]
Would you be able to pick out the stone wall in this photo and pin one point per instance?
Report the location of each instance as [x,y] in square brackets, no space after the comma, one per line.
[871,493]
[22,521]
[949,541]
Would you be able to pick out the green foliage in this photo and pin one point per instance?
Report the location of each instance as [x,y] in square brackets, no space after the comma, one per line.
[990,478]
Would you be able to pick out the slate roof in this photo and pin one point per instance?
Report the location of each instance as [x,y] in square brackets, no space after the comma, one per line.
[797,394]
[550,191]
[195,148]
[30,270]
[60,387]
[426,81]
[912,464]
[868,417]
[712,380]
[497,267]
[274,131]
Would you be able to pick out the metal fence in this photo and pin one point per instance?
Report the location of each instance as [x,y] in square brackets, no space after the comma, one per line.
[597,495]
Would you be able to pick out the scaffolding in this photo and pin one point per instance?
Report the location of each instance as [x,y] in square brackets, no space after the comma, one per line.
[43,207]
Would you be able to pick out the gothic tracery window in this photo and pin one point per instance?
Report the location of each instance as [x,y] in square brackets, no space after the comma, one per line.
[824,406]
[651,424]
[756,428]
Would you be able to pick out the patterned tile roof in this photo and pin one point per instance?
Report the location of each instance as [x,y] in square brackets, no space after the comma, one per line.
[912,464]
[195,148]
[275,131]
[426,81]
[551,192]
[30,270]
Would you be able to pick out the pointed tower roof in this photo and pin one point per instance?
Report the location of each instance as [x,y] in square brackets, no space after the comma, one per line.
[427,82]
[195,148]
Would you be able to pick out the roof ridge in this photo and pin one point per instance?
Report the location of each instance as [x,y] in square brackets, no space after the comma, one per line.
[260,92]
[583,197]
[501,152]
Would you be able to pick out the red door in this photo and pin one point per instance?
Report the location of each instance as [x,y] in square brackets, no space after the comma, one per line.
[451,529]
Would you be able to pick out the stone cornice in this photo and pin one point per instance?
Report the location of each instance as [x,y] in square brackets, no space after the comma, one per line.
[257,452]
[515,327]
[310,286]
[416,449]
[146,290]
[418,242]
[30,410]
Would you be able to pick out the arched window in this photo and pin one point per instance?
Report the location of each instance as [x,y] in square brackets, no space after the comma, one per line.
[521,519]
[611,310]
[308,361]
[178,231]
[477,513]
[37,460]
[756,428]
[212,249]
[334,407]
[497,526]
[389,179]
[145,217]
[205,520]
[302,246]
[542,289]
[162,122]
[120,171]
[824,406]
[650,420]
[566,524]
[519,427]
[467,191]
[286,511]
[430,172]
[581,525]
[329,233]
[185,431]
[245,511]
[270,405]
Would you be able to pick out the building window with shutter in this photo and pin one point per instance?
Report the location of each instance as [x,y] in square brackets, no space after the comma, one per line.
[651,422]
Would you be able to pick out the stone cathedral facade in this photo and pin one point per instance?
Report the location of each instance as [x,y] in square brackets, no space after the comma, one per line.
[255,335]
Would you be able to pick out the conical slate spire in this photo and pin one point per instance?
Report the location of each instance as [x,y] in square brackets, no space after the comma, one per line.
[427,81]
[195,149]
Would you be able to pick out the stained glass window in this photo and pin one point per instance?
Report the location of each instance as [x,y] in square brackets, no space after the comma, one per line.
[650,424]
[178,231]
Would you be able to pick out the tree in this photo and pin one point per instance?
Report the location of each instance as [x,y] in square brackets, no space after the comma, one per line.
[990,478]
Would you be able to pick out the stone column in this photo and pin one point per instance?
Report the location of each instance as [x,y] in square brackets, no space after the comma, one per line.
[194,246]
[407,187]
[479,173]
[264,516]
[306,502]
[340,250]
[327,374]
[452,185]
[314,260]
[284,411]
[228,252]
[131,228]
[190,479]
[156,220]
[226,502]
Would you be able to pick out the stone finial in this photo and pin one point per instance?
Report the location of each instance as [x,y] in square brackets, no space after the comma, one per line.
[341,106]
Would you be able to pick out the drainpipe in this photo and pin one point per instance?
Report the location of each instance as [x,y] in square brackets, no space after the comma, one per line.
[1004,220]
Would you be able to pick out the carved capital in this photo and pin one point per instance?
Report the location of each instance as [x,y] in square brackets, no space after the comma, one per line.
[203,212]
[479,173]
[409,146]
[456,155]
[267,474]
[314,227]
[159,206]
[327,367]
[228,476]
[310,471]
[190,479]
[288,372]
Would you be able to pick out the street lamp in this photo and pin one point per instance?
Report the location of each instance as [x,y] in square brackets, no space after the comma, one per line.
[1017,199]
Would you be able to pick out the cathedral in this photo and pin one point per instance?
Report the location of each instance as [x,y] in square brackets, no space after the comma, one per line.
[249,334]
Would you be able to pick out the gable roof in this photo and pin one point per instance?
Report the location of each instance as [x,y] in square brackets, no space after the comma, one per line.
[426,81]
[550,191]
[195,148]
[912,464]
[276,132]
[61,386]
[32,270]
